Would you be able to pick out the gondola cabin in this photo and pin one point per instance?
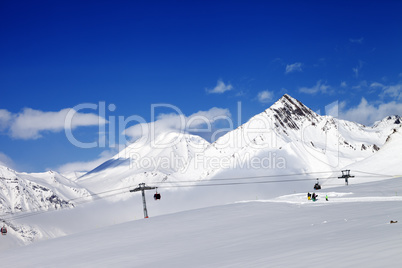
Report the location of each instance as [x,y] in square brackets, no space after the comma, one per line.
[157,196]
[317,186]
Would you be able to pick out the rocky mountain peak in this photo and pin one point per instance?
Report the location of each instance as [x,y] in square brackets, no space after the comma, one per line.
[288,112]
[389,120]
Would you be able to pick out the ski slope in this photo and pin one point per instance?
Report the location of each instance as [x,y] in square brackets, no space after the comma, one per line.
[225,216]
[286,138]
[352,229]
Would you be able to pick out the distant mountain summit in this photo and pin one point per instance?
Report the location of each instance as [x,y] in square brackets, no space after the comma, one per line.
[289,112]
[169,154]
[21,192]
[288,132]
[287,138]
[387,121]
[30,193]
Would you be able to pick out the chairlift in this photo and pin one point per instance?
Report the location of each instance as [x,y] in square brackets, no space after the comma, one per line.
[3,230]
[317,186]
[157,196]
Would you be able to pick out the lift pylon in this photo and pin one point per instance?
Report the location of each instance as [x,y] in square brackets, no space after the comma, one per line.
[142,187]
[346,175]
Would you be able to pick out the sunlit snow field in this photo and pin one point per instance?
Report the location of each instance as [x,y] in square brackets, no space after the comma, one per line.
[352,229]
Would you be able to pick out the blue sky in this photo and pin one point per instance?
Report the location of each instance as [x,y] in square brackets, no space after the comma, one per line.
[202,57]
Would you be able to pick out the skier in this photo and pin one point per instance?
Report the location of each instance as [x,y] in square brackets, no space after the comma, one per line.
[308,196]
[326,197]
[314,197]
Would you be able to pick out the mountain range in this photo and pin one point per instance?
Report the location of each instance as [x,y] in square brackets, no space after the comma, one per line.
[287,138]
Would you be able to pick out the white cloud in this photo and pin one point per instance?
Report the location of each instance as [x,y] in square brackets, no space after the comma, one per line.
[362,84]
[343,84]
[85,166]
[220,88]
[318,87]
[5,118]
[393,91]
[174,122]
[240,93]
[356,40]
[367,114]
[377,85]
[30,123]
[6,161]
[295,67]
[357,69]
[265,96]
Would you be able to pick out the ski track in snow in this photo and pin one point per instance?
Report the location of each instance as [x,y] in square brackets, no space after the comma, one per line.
[333,197]
[246,234]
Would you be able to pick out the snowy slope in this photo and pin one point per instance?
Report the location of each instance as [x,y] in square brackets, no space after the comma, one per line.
[288,141]
[286,138]
[289,138]
[163,159]
[319,142]
[23,192]
[352,229]
[36,191]
[387,160]
[383,165]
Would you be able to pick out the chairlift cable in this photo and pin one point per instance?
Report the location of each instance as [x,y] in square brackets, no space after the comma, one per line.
[375,174]
[250,177]
[24,214]
[97,196]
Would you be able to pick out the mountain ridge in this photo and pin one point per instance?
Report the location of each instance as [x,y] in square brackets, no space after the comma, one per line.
[286,138]
[324,140]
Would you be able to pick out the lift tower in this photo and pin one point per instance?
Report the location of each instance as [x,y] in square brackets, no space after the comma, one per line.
[142,187]
[346,175]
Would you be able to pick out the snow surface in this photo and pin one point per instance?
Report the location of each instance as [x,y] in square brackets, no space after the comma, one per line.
[352,229]
[262,219]
[287,138]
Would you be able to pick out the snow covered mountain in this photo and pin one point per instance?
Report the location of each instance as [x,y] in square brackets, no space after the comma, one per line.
[385,164]
[35,191]
[168,156]
[318,141]
[286,138]
[23,192]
